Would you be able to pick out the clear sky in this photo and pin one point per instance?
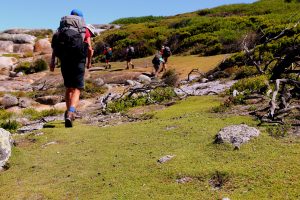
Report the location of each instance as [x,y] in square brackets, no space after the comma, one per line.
[47,13]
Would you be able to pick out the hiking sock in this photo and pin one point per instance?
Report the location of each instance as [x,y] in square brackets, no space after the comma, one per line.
[72,109]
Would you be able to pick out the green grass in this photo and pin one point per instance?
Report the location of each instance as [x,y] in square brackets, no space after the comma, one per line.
[120,162]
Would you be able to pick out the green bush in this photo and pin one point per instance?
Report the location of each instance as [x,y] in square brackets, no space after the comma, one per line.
[245,71]
[33,114]
[279,131]
[253,84]
[157,95]
[170,77]
[10,125]
[40,65]
[24,67]
[29,68]
[4,114]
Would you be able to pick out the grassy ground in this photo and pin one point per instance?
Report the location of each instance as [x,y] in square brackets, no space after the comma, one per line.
[182,64]
[121,162]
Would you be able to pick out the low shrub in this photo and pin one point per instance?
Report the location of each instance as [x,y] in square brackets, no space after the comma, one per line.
[157,95]
[10,125]
[4,114]
[279,131]
[33,114]
[170,77]
[40,65]
[91,90]
[245,71]
[253,84]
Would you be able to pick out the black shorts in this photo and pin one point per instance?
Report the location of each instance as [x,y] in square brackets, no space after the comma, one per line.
[73,74]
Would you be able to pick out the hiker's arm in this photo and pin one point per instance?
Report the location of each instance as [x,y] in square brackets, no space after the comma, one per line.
[90,53]
[52,64]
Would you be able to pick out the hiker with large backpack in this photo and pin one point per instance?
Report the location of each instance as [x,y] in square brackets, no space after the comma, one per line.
[157,62]
[165,53]
[129,56]
[107,52]
[71,44]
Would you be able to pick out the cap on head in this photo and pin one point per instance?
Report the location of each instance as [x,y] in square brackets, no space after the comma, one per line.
[92,29]
[77,12]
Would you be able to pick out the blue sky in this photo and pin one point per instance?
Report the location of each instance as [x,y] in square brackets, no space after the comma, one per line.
[47,13]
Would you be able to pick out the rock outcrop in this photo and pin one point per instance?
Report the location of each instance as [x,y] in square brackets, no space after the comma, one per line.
[43,46]
[6,46]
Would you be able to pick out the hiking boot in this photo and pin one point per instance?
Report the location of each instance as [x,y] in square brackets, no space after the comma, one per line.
[109,66]
[132,66]
[69,119]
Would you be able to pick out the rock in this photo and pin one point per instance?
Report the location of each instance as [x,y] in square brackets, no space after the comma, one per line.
[16,31]
[12,74]
[18,38]
[5,147]
[6,46]
[107,86]
[194,77]
[199,89]
[236,135]
[204,80]
[23,48]
[60,106]
[9,101]
[6,64]
[30,128]
[235,93]
[184,180]
[43,46]
[23,120]
[50,100]
[25,102]
[3,77]
[99,82]
[132,83]
[165,158]
[225,198]
[144,79]
[14,109]
[19,74]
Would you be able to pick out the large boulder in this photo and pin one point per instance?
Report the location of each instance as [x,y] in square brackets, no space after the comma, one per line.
[6,46]
[18,38]
[236,135]
[144,79]
[23,48]
[17,31]
[5,147]
[43,46]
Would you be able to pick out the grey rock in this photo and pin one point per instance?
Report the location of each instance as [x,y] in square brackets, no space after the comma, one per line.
[12,74]
[132,83]
[50,100]
[204,80]
[6,64]
[9,101]
[16,31]
[184,180]
[144,79]
[6,46]
[3,77]
[99,82]
[199,89]
[5,147]
[30,128]
[17,38]
[236,135]
[165,158]
[19,74]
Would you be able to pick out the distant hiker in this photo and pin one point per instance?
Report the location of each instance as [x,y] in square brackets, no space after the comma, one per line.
[157,62]
[107,52]
[71,44]
[165,53]
[90,32]
[129,56]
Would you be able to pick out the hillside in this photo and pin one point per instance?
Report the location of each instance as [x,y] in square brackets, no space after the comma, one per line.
[205,32]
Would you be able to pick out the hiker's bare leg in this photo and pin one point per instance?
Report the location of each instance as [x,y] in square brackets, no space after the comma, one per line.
[127,64]
[75,97]
[68,97]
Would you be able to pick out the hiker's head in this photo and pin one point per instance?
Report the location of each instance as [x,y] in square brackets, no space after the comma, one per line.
[163,47]
[77,12]
[92,29]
